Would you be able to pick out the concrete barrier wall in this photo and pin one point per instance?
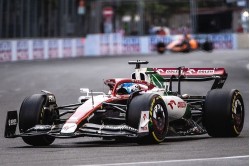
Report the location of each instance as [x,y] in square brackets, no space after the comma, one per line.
[102,45]
[114,44]
[40,49]
[243,40]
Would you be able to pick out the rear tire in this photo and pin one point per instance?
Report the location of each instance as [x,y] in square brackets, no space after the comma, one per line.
[32,113]
[161,47]
[208,46]
[224,113]
[158,117]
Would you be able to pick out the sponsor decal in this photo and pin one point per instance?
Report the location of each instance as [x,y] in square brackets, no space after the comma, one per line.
[191,71]
[105,44]
[80,47]
[67,48]
[205,72]
[38,49]
[131,45]
[223,41]
[172,103]
[137,81]
[143,127]
[69,128]
[159,71]
[5,51]
[117,44]
[52,99]
[118,127]
[167,71]
[12,122]
[155,39]
[41,127]
[122,114]
[53,48]
[181,104]
[171,71]
[22,50]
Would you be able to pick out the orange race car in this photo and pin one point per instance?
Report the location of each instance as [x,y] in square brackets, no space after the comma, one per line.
[184,44]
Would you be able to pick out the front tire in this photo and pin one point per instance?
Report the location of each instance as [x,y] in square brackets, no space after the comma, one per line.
[158,117]
[224,113]
[32,113]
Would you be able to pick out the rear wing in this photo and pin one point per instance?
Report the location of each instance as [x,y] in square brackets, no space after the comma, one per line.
[160,75]
[193,74]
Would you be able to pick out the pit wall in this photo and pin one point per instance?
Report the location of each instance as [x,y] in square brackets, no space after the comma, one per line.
[101,45]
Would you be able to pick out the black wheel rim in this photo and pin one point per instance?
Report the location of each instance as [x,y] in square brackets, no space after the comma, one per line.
[238,115]
[159,119]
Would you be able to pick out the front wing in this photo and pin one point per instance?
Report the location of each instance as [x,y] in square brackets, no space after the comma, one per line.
[88,129]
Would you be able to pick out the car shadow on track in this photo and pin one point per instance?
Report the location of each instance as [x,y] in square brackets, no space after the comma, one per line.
[115,143]
[186,138]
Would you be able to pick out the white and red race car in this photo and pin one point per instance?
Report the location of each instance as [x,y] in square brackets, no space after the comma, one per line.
[144,108]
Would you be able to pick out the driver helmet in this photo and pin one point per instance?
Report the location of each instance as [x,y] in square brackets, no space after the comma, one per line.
[130,87]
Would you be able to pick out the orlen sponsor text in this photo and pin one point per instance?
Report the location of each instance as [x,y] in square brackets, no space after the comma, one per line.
[168,71]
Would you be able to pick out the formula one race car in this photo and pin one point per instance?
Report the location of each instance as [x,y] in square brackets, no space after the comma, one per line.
[144,108]
[184,44]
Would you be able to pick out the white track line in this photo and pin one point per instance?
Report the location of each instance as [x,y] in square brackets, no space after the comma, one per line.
[171,161]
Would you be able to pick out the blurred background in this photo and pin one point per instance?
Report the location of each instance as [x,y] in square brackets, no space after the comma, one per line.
[77,18]
[46,29]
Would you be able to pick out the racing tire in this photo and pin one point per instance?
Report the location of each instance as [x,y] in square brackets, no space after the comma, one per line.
[32,113]
[161,47]
[157,126]
[224,113]
[208,46]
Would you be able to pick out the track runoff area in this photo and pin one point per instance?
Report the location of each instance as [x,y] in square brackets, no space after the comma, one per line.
[65,77]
